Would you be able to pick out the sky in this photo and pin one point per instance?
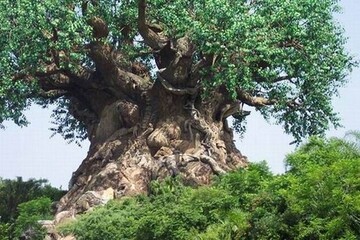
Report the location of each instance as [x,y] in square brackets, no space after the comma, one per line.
[31,153]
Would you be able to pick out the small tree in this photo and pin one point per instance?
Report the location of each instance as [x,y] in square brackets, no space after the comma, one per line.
[151,83]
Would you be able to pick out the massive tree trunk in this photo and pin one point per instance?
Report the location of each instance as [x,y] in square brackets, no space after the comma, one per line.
[163,134]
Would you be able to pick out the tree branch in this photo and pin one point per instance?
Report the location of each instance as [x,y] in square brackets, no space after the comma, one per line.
[100,28]
[151,38]
[113,73]
[176,91]
[55,81]
[53,94]
[254,101]
[204,62]
[50,71]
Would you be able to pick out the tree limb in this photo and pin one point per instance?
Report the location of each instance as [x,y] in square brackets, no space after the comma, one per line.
[151,38]
[176,91]
[204,62]
[278,79]
[50,71]
[254,101]
[100,28]
[114,74]
[53,94]
[54,81]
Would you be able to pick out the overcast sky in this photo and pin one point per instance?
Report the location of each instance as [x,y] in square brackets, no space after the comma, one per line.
[31,153]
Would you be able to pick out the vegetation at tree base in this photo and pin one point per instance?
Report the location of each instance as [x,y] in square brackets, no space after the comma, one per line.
[22,203]
[15,192]
[317,198]
[29,214]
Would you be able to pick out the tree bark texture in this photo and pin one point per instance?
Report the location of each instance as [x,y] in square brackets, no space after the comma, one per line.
[163,135]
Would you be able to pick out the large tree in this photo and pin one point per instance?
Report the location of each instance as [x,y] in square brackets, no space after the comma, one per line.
[152,83]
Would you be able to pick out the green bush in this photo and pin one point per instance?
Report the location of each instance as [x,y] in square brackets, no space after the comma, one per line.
[29,214]
[318,198]
[323,194]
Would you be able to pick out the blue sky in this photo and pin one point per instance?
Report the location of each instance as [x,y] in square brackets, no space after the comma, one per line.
[31,153]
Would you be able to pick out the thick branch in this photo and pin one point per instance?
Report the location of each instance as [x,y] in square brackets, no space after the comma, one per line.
[254,101]
[53,94]
[51,75]
[60,78]
[204,62]
[176,91]
[55,82]
[113,73]
[175,60]
[100,28]
[151,38]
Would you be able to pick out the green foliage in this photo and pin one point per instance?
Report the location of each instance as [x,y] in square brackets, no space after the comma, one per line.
[23,203]
[30,213]
[263,42]
[324,190]
[318,198]
[321,152]
[14,192]
[4,231]
[24,20]
[66,125]
[166,215]
[291,51]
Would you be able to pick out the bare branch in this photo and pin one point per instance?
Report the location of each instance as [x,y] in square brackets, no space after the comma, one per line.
[278,79]
[294,43]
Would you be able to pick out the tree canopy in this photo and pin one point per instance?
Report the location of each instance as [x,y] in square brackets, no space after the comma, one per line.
[284,58]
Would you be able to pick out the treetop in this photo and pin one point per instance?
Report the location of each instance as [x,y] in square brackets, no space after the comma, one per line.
[284,58]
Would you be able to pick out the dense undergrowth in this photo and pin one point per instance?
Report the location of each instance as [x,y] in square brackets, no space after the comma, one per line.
[317,198]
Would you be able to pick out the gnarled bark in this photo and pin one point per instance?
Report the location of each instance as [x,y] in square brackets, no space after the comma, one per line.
[134,143]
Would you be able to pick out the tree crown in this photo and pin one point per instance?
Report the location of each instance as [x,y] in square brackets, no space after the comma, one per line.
[284,58]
